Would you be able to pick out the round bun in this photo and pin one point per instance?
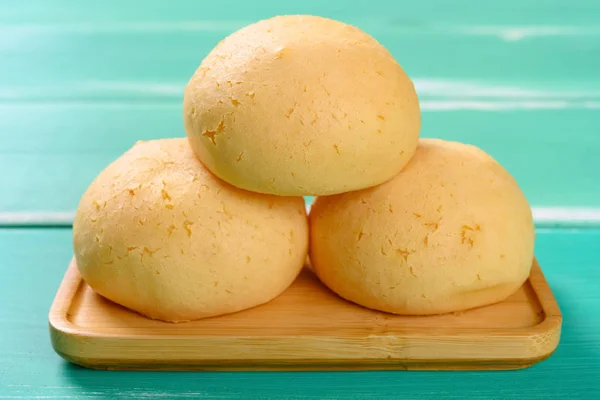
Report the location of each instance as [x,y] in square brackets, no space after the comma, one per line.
[159,234]
[452,231]
[301,105]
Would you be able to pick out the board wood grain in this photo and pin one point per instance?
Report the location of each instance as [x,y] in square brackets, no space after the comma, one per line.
[306,328]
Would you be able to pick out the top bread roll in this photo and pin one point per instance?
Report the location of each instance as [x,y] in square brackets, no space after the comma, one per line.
[301,105]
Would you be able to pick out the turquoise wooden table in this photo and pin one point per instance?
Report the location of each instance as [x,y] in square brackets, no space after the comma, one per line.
[34,261]
[81,81]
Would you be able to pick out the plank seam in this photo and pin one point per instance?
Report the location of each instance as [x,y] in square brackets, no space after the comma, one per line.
[544,217]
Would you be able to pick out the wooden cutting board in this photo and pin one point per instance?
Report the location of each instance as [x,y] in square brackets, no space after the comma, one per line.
[306,328]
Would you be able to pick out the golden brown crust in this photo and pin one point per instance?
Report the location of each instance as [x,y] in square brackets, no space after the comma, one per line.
[158,233]
[301,105]
[452,231]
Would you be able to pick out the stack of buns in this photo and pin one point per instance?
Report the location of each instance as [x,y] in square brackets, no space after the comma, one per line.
[293,106]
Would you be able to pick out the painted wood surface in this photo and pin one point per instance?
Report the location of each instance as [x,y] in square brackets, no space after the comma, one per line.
[34,262]
[81,81]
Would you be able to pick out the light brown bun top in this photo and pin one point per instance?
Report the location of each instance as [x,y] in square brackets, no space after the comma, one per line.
[158,233]
[301,105]
[452,231]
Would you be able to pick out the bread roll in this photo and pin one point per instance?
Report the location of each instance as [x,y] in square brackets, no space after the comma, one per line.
[159,234]
[299,106]
[451,232]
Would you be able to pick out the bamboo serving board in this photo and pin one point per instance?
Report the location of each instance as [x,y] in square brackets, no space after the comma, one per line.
[306,328]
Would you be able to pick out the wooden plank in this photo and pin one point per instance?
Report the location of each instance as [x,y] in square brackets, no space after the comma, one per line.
[46,167]
[461,11]
[98,57]
[30,367]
